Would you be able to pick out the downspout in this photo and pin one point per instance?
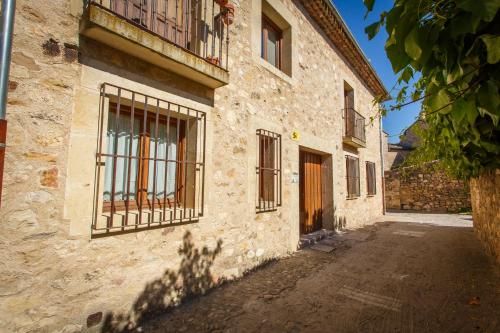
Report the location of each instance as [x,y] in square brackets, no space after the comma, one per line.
[7,28]
[382,164]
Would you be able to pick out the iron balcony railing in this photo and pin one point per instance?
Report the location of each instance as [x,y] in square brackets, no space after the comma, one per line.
[354,125]
[200,27]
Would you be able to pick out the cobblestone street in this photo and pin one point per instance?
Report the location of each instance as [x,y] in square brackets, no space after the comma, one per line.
[408,273]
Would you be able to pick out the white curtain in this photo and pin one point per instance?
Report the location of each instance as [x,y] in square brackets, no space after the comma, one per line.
[163,169]
[123,146]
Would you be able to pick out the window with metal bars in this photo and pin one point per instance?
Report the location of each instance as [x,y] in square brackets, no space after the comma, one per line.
[353,184]
[371,183]
[150,162]
[268,171]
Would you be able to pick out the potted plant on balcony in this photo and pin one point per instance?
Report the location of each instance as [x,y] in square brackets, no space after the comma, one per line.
[222,3]
[213,60]
[229,14]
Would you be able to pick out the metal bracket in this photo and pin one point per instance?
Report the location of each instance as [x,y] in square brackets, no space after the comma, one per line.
[3,145]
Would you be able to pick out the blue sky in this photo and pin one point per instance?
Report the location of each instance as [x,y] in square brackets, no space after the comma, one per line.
[353,12]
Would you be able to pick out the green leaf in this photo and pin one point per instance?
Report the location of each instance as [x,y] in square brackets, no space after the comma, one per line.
[369,4]
[460,108]
[439,102]
[455,74]
[488,101]
[416,95]
[372,30]
[485,9]
[488,96]
[472,116]
[406,75]
[411,44]
[399,60]
[401,95]
[492,47]
[463,24]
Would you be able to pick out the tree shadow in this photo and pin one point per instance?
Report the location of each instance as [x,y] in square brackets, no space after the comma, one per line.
[194,277]
[339,222]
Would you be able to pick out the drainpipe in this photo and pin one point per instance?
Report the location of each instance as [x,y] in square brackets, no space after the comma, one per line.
[382,164]
[7,27]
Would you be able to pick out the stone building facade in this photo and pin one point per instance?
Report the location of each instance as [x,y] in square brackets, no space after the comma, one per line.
[425,188]
[60,272]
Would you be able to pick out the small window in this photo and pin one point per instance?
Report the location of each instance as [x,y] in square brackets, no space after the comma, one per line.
[371,178]
[268,171]
[352,168]
[272,43]
[348,96]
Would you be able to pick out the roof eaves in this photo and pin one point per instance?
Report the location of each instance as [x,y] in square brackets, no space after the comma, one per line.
[312,6]
[360,50]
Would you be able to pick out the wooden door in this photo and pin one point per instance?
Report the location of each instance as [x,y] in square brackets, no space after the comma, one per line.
[311,209]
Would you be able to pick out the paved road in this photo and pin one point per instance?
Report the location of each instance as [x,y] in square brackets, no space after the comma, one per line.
[408,273]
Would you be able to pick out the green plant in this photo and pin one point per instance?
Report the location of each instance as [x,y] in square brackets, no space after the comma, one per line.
[455,46]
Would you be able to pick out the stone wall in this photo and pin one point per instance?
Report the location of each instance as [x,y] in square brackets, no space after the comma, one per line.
[425,189]
[55,277]
[485,195]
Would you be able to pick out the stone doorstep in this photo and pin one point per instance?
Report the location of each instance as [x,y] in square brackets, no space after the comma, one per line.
[322,247]
[359,236]
[314,237]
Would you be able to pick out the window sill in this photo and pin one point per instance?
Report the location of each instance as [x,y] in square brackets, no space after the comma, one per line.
[100,229]
[353,198]
[280,74]
[370,195]
[266,211]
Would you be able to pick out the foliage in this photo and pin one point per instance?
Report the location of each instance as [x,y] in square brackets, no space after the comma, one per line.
[455,46]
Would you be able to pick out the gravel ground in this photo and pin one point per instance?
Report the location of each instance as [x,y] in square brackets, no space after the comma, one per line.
[407,273]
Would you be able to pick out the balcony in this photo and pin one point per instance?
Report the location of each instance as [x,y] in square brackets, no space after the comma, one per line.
[354,128]
[187,37]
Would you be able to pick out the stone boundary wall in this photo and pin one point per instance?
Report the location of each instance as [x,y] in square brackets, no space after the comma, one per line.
[425,189]
[485,197]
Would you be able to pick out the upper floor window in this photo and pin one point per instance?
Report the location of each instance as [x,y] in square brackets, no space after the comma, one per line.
[272,43]
[352,169]
[268,171]
[371,183]
[354,123]
[348,96]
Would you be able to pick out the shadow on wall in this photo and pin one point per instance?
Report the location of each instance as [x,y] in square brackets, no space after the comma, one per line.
[193,278]
[339,222]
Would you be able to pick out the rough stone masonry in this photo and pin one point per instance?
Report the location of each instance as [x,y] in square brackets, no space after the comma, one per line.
[425,188]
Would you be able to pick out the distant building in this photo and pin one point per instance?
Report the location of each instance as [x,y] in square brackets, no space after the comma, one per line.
[396,153]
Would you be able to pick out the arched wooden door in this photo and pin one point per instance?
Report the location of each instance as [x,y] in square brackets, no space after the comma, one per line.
[311,208]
